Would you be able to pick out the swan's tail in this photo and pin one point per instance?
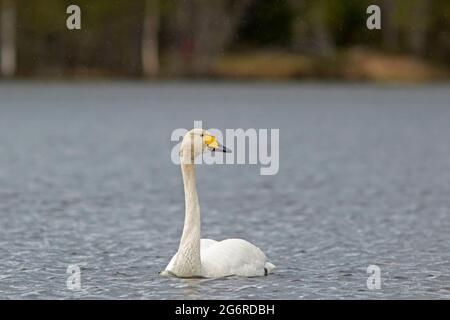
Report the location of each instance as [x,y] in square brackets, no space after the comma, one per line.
[268,267]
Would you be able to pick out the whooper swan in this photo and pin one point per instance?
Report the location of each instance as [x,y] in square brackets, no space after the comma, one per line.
[205,257]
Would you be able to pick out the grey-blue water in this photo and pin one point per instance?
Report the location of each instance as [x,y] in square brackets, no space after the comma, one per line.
[86,178]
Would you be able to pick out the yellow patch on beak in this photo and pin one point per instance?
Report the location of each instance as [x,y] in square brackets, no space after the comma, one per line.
[210,141]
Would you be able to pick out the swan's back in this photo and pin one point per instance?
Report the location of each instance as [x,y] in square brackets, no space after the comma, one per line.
[234,257]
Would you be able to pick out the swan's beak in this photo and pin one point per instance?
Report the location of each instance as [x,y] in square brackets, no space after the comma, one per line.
[213,145]
[221,148]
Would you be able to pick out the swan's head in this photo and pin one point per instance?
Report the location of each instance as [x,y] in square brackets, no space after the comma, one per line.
[198,141]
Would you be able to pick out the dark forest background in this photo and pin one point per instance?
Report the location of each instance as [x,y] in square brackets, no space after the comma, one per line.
[233,39]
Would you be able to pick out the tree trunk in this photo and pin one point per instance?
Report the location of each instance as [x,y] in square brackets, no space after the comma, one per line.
[201,30]
[389,24]
[311,33]
[418,29]
[322,39]
[149,50]
[299,25]
[8,38]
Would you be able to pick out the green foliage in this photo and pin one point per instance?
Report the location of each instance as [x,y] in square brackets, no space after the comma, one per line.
[111,34]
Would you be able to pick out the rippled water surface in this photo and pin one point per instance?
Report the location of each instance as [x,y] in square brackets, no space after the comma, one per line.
[86,178]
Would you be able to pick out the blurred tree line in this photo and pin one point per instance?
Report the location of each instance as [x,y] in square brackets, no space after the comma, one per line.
[176,38]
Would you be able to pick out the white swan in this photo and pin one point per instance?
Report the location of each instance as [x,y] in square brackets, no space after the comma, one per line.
[205,257]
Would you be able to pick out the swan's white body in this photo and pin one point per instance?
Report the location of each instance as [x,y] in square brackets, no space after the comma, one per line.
[205,257]
[229,257]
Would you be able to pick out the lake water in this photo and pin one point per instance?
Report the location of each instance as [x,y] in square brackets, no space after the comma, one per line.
[86,178]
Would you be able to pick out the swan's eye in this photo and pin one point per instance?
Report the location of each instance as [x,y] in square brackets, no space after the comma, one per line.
[201,134]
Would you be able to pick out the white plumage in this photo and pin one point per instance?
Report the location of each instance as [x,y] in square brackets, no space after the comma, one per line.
[205,257]
[230,257]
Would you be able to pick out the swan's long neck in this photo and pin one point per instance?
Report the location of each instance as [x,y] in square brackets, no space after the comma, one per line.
[188,263]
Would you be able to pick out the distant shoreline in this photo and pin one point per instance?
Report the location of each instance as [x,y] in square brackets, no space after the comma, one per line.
[351,66]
